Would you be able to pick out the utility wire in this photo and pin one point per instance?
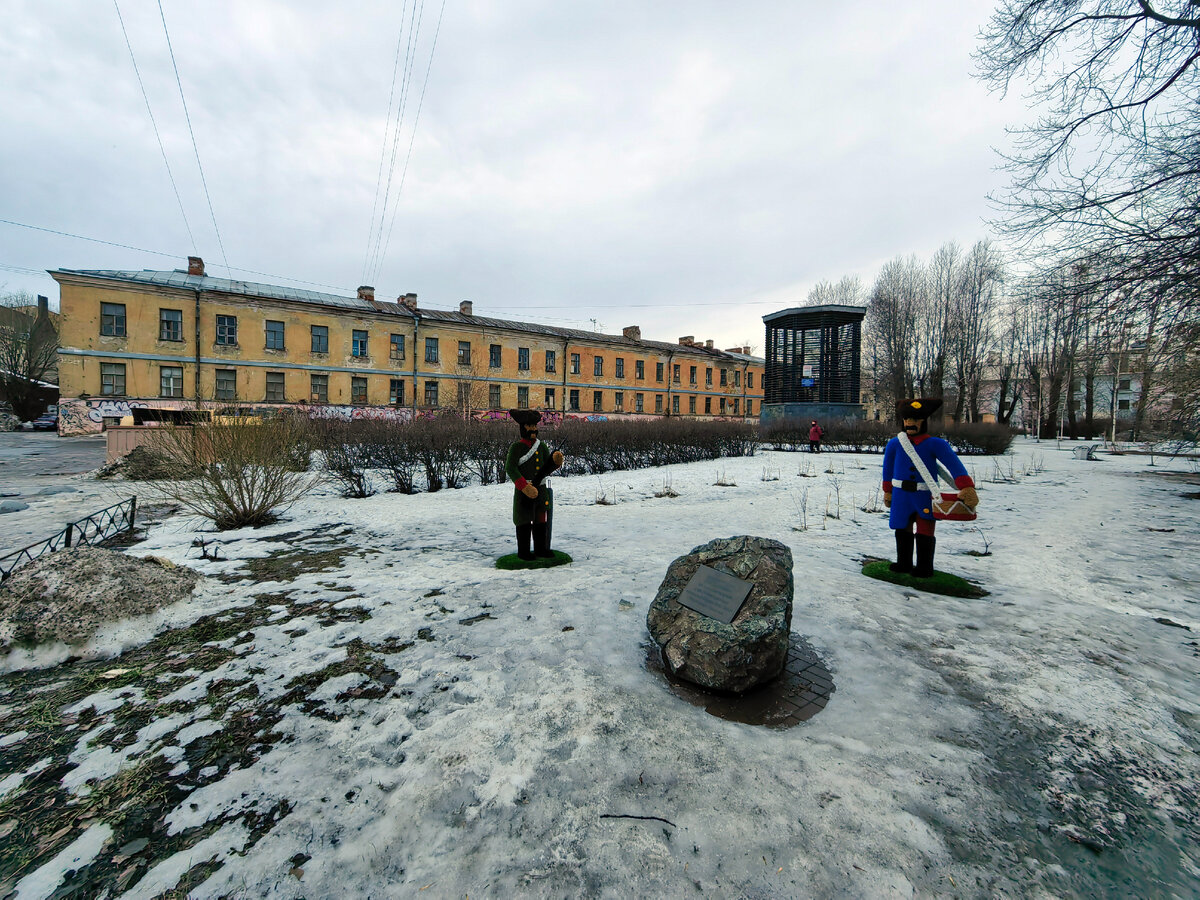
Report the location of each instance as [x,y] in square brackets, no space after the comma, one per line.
[163,149]
[387,124]
[187,116]
[409,57]
[80,237]
[412,140]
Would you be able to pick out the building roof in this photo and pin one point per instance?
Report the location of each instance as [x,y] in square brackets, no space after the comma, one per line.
[181,280]
[838,308]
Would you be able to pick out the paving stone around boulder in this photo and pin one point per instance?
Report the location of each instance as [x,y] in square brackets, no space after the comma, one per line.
[68,595]
[750,650]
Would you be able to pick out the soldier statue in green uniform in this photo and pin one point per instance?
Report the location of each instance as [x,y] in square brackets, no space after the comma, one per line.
[528,463]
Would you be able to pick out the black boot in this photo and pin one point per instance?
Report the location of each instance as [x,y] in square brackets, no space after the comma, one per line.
[541,541]
[904,551]
[524,532]
[926,543]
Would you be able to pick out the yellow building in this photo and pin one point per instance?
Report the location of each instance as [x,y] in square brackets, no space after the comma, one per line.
[176,339]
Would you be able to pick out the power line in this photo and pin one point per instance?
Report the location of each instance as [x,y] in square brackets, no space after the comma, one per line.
[187,116]
[163,149]
[409,58]
[80,237]
[387,125]
[413,138]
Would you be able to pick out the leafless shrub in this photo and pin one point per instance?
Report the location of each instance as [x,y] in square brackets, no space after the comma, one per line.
[874,502]
[769,474]
[801,509]
[346,450]
[667,490]
[236,474]
[723,481]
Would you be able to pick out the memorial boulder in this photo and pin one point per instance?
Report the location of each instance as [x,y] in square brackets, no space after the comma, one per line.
[701,648]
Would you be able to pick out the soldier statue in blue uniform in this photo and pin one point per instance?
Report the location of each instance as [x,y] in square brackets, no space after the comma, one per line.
[904,489]
[527,464]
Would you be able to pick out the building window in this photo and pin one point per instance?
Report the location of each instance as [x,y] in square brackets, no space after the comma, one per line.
[431,392]
[620,367]
[1123,384]
[675,404]
[692,405]
[549,398]
[737,378]
[708,406]
[320,338]
[431,356]
[523,397]
[397,346]
[358,343]
[639,370]
[574,363]
[722,407]
[597,365]
[597,401]
[550,361]
[464,353]
[319,388]
[358,389]
[275,387]
[112,319]
[658,403]
[170,381]
[522,359]
[1122,404]
[574,397]
[735,406]
[494,396]
[494,356]
[619,401]
[675,373]
[396,391]
[724,378]
[692,375]
[112,379]
[639,402]
[274,335]
[749,384]
[227,330]
[749,407]
[708,376]
[226,384]
[170,325]
[658,371]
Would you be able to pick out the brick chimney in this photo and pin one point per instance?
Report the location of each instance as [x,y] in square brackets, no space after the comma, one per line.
[464,307]
[195,265]
[632,332]
[408,301]
[688,340]
[708,344]
[366,292]
[43,306]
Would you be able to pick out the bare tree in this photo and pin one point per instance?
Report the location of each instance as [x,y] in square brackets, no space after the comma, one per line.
[28,352]
[848,291]
[897,297]
[974,309]
[1110,172]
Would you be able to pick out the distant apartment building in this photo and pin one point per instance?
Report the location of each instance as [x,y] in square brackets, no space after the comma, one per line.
[176,339]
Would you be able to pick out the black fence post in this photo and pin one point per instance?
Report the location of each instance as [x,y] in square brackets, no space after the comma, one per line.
[69,529]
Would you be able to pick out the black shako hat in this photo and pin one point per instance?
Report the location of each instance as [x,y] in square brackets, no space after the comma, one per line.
[918,408]
[525,417]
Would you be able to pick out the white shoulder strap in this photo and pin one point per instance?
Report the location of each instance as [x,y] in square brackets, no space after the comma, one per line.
[529,455]
[918,463]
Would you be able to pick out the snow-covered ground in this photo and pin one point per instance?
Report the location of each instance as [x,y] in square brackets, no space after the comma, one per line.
[442,728]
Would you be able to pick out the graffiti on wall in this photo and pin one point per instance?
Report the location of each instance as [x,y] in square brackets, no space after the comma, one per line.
[84,416]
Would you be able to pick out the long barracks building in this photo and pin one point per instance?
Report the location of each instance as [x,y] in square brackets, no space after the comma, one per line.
[180,338]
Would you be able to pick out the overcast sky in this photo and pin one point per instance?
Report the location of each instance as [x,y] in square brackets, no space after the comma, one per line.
[686,167]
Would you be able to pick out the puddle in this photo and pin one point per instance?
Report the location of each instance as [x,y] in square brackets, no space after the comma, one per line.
[799,693]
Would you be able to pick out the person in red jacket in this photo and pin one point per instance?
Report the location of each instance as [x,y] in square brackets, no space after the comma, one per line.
[814,437]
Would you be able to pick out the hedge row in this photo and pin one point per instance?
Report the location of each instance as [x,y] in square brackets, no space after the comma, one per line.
[862,436]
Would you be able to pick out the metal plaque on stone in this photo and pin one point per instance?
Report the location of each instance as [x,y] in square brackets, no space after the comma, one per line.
[715,594]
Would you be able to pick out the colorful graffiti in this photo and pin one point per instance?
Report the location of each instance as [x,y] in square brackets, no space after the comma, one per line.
[87,416]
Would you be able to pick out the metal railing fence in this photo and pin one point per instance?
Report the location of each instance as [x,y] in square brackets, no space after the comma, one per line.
[93,529]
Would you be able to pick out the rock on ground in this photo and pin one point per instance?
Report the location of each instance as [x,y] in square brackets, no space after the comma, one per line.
[751,649]
[67,595]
